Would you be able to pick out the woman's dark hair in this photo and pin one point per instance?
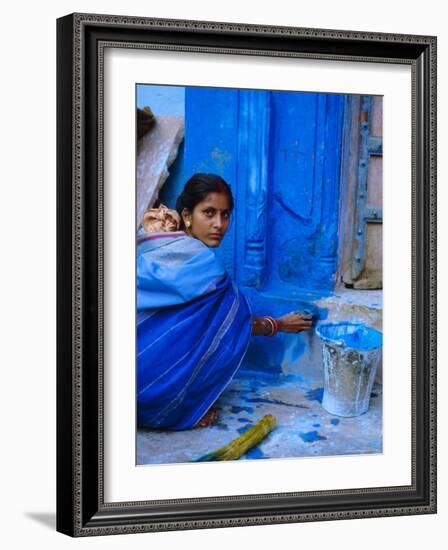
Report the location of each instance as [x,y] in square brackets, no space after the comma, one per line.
[197,188]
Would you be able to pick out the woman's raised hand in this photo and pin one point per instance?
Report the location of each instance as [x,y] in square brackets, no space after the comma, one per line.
[295,322]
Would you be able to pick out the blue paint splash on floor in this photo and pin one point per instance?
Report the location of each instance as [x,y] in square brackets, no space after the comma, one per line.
[236,409]
[315,395]
[244,428]
[310,437]
[244,420]
[335,421]
[316,425]
[255,452]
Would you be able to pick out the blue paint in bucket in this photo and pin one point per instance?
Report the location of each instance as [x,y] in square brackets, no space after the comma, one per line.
[351,335]
[350,357]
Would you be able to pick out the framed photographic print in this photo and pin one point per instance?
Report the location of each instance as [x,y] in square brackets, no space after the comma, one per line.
[246,274]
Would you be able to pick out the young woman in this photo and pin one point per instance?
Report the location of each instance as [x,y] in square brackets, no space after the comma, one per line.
[193,323]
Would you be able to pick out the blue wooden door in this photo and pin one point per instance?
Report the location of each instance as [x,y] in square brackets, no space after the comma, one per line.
[302,219]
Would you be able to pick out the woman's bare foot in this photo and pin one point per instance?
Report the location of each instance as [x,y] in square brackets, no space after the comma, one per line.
[208,419]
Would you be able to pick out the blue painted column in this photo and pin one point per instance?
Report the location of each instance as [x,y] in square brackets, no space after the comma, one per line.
[252,185]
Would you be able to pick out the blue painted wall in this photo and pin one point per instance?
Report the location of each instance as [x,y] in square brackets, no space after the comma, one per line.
[280,152]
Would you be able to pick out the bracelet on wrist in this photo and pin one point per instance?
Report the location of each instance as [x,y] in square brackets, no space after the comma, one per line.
[273,325]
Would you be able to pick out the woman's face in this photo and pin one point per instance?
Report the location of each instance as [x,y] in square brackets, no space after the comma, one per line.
[210,219]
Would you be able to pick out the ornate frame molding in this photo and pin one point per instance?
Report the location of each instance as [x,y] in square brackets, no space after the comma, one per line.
[81,42]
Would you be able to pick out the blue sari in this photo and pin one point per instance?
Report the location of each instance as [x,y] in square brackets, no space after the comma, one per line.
[193,330]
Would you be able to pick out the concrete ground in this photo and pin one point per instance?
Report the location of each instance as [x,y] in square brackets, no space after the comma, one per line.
[303,427]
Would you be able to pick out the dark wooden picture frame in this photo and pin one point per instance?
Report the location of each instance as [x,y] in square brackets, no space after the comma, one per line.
[81,509]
